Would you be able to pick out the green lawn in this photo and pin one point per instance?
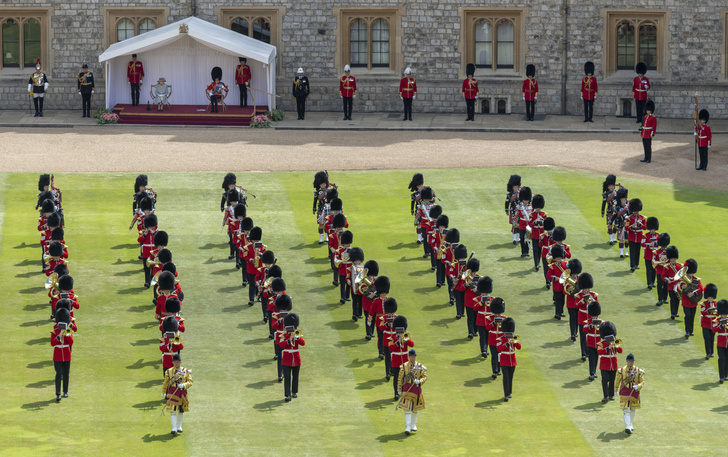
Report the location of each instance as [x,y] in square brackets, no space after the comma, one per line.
[236,403]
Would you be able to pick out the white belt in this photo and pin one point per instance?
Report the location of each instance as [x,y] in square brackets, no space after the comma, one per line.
[646,128]
[701,137]
[168,353]
[507,353]
[61,346]
[290,350]
[609,356]
[399,353]
[484,313]
[640,90]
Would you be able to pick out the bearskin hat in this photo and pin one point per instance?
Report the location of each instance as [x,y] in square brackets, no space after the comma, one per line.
[574,266]
[63,315]
[635,205]
[610,181]
[347,237]
[319,178]
[530,70]
[284,303]
[372,268]
[400,322]
[382,285]
[141,180]
[589,68]
[291,320]
[514,180]
[470,69]
[47,206]
[336,204]
[232,195]
[653,223]
[497,306]
[538,201]
[549,223]
[607,329]
[525,194]
[559,234]
[453,236]
[169,266]
[172,305]
[594,309]
[640,68]
[585,281]
[692,265]
[150,220]
[57,234]
[274,272]
[442,221]
[55,249]
[671,252]
[166,280]
[711,291]
[331,194]
[417,180]
[229,179]
[663,240]
[64,303]
[146,203]
[65,282]
[557,251]
[61,269]
[256,233]
[216,73]
[356,254]
[650,106]
[339,221]
[170,324]
[240,210]
[54,220]
[161,238]
[278,285]
[247,224]
[704,114]
[426,194]
[43,180]
[435,212]
[390,305]
[485,285]
[473,265]
[508,325]
[268,257]
[622,193]
[722,306]
[460,252]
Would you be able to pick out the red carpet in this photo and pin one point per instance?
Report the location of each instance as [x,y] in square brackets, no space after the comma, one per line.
[186,115]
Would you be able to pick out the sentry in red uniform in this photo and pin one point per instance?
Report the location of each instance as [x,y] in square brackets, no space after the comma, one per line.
[507,346]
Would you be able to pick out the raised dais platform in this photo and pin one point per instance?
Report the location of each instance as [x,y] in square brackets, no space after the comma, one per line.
[187,115]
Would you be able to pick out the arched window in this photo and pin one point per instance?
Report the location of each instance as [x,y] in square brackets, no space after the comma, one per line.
[380,43]
[483,44]
[493,40]
[124,29]
[358,41]
[147,25]
[261,30]
[31,42]
[648,45]
[505,49]
[11,43]
[625,46]
[240,25]
[633,37]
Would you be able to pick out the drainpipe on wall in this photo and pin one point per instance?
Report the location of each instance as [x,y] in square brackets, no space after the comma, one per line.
[193,8]
[564,48]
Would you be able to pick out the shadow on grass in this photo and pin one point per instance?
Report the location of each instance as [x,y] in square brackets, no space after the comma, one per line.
[442,322]
[316,273]
[436,307]
[318,290]
[656,321]
[490,404]
[301,246]
[420,272]
[706,386]
[454,342]
[535,291]
[149,342]
[609,437]
[38,405]
[693,363]
[350,343]
[575,384]
[149,438]
[381,404]
[126,273]
[141,325]
[619,274]
[28,274]
[502,246]
[393,437]
[403,246]
[224,272]
[139,364]
[257,341]
[371,384]
[24,246]
[214,246]
[26,263]
[639,291]
[32,290]
[346,324]
[600,246]
[124,246]
[478,382]
[40,384]
[317,260]
[131,290]
[409,259]
[558,344]
[268,406]
[234,309]
[248,325]
[542,322]
[37,307]
[38,341]
[720,409]
[150,405]
[467,362]
[39,365]
[356,363]
[592,407]
[261,384]
[37,323]
[566,364]
[540,308]
[509,259]
[673,341]
[519,274]
[609,259]
[258,363]
[646,309]
[149,384]
[230,289]
[140,309]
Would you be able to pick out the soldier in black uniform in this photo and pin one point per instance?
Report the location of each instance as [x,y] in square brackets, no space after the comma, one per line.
[37,85]
[85,89]
[301,90]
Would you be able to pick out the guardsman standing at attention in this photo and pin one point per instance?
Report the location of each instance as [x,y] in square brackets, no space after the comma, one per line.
[628,385]
[470,91]
[347,91]
[301,89]
[530,91]
[135,77]
[85,89]
[589,91]
[37,86]
[407,92]
[648,130]
[640,86]
[242,79]
[704,139]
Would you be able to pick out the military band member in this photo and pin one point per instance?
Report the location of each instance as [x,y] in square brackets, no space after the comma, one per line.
[68,304]
[621,210]
[135,78]
[239,212]
[386,327]
[690,294]
[640,86]
[481,306]
[252,252]
[669,271]
[455,280]
[167,289]
[634,226]
[269,296]
[507,345]
[493,323]
[177,381]
[589,91]
[382,286]
[708,312]
[62,341]
[609,203]
[342,263]
[142,190]
[37,87]
[284,305]
[86,87]
[422,216]
[628,384]
[570,289]
[48,190]
[217,90]
[535,222]
[334,228]
[556,269]
[523,212]
[65,292]
[409,385]
[468,282]
[228,183]
[320,189]
[649,243]
[435,239]
[470,91]
[447,258]
[170,344]
[583,298]
[415,185]
[242,79]
[428,228]
[544,245]
[720,328]
[146,239]
[301,89]
[659,260]
[530,91]
[368,291]
[246,225]
[591,329]
[347,91]
[648,130]
[267,260]
[407,92]
[290,342]
[55,253]
[356,256]
[514,188]
[399,344]
[704,137]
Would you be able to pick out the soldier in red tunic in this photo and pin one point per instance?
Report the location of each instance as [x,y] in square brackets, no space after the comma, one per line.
[146,239]
[135,78]
[530,91]
[640,86]
[415,186]
[707,314]
[242,79]
[407,92]
[470,91]
[648,130]
[669,271]
[544,245]
[436,239]
[523,213]
[65,292]
[456,284]
[368,295]
[347,91]
[481,306]
[704,138]
[535,222]
[342,263]
[252,252]
[493,323]
[556,269]
[608,348]
[386,327]
[469,279]
[356,256]
[290,342]
[690,295]
[398,348]
[62,340]
[283,305]
[591,329]
[634,225]
[574,268]
[589,91]
[230,220]
[217,90]
[170,344]
[583,298]
[649,243]
[720,328]
[507,345]
[269,295]
[382,286]
[267,260]
[447,257]
[166,287]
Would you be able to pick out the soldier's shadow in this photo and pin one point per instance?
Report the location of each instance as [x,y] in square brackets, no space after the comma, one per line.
[149,438]
[490,404]
[268,406]
[609,437]
[394,437]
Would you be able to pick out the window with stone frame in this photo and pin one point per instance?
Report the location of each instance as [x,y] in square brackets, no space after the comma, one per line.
[493,39]
[368,38]
[633,37]
[23,38]
[122,24]
[260,24]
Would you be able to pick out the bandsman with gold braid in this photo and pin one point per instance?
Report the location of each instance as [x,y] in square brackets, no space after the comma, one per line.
[177,380]
[628,385]
[409,386]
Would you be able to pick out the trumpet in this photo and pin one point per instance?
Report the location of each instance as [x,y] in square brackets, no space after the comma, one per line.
[591,297]
[297,334]
[151,262]
[515,339]
[177,338]
[406,336]
[617,343]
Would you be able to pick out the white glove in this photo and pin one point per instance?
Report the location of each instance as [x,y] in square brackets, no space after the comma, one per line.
[354,95]
[79,92]
[164,395]
[582,98]
[93,91]
[417,382]
[45,86]
[414,97]
[636,387]
[129,82]
[401,98]
[695,133]
[182,386]
[30,87]
[535,98]
[476,97]
[524,98]
[708,146]
[341,96]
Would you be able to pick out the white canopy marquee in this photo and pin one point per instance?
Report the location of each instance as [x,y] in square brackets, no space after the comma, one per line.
[184,53]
